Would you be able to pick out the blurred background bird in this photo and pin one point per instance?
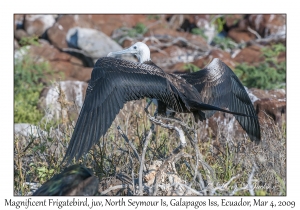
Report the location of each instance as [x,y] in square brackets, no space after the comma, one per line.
[74,180]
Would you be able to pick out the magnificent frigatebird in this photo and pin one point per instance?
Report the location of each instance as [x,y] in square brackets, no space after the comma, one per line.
[217,86]
[115,81]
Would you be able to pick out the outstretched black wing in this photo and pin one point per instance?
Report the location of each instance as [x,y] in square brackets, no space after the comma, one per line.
[113,83]
[219,86]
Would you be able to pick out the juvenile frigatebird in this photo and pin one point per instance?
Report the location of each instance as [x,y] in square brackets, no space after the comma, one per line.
[115,81]
[217,86]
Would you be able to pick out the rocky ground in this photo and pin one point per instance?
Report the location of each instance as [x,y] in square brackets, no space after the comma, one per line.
[70,45]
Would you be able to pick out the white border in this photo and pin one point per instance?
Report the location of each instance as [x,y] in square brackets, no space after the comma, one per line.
[164,7]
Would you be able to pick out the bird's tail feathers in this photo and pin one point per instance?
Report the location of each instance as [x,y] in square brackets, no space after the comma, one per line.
[201,106]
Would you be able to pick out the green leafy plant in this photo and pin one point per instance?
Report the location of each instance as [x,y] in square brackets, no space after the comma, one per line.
[200,32]
[271,53]
[263,76]
[30,40]
[219,22]
[43,173]
[190,67]
[153,17]
[123,33]
[139,28]
[225,43]
[27,87]
[268,75]
[282,184]
[260,192]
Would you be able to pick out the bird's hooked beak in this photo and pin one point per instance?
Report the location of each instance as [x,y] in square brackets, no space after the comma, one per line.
[129,50]
[139,49]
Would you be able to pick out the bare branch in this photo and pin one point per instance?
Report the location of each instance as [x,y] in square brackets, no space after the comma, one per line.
[250,186]
[177,121]
[122,186]
[132,174]
[130,143]
[190,189]
[210,173]
[173,41]
[143,159]
[152,39]
[236,189]
[170,127]
[224,186]
[254,32]
[177,152]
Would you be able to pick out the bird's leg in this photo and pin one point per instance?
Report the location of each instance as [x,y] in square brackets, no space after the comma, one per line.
[171,114]
[147,106]
[161,109]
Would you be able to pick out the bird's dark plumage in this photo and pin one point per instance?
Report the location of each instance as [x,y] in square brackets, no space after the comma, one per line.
[74,180]
[113,83]
[219,86]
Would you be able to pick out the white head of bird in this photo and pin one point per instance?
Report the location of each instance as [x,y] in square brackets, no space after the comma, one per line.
[139,49]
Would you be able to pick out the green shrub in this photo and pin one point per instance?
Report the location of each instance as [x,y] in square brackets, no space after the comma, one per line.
[30,40]
[220,22]
[199,31]
[27,88]
[224,43]
[270,74]
[123,33]
[153,17]
[191,67]
[140,28]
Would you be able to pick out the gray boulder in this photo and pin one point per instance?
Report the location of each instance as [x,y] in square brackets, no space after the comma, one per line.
[28,130]
[74,94]
[93,43]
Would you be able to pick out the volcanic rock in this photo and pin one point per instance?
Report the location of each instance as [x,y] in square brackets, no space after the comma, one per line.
[38,24]
[64,98]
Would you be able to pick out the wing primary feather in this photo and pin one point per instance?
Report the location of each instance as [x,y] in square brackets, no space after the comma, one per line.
[93,132]
[219,86]
[86,135]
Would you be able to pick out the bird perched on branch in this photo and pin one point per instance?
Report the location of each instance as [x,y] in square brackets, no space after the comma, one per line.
[115,81]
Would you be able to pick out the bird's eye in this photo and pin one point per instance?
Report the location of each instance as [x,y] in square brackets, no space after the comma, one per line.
[134,47]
